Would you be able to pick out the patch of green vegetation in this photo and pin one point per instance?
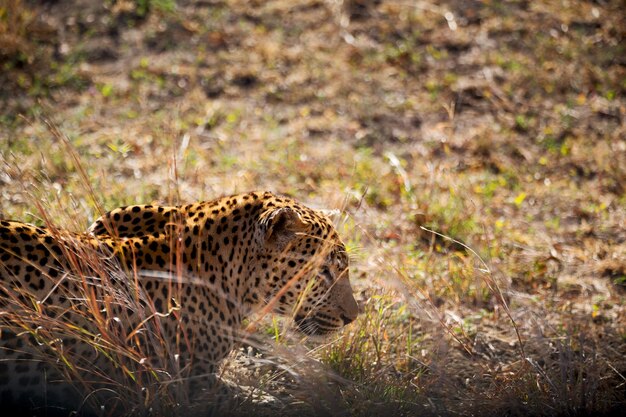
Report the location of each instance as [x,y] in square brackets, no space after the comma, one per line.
[450,216]
[163,6]
[491,185]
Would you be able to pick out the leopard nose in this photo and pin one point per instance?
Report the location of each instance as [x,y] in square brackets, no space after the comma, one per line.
[346,319]
[350,309]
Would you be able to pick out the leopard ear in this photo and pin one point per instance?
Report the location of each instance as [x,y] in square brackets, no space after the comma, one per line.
[282,226]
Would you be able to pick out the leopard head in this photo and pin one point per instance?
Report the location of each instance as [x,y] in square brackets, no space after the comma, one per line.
[305,268]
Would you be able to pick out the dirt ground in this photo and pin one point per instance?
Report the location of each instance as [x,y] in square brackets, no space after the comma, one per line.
[499,125]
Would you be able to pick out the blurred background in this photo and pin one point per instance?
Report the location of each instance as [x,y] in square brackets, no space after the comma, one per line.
[497,124]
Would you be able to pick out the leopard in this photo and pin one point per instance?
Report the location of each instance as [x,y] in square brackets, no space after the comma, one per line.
[166,288]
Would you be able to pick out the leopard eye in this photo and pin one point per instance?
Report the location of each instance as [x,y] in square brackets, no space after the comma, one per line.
[328,276]
[342,264]
[342,259]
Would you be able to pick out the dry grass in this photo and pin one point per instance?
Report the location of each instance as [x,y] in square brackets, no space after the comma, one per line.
[497,124]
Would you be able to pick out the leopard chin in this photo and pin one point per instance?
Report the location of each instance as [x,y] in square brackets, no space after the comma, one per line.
[312,326]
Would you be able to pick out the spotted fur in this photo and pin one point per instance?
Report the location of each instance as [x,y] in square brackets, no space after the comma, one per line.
[201,269]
